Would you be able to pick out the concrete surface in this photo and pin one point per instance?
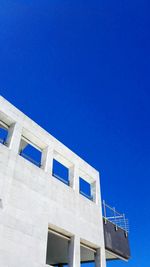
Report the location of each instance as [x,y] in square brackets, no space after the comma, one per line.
[33,201]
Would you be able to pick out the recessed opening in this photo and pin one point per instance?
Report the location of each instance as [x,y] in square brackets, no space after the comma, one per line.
[85,188]
[60,172]
[87,255]
[3,134]
[57,249]
[30,152]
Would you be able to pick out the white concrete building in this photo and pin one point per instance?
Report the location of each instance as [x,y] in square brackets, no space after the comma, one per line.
[44,218]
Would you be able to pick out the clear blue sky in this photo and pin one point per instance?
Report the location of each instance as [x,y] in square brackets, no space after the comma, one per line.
[81,70]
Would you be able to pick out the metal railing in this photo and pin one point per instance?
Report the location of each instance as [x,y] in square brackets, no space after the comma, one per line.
[117,218]
[61,179]
[30,159]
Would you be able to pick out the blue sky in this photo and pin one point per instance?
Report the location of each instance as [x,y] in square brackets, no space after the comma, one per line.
[81,70]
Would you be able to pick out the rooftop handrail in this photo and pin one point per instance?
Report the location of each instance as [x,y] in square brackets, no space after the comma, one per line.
[117,218]
[111,208]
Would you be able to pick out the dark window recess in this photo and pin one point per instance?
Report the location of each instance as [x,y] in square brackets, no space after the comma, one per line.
[31,154]
[60,172]
[85,188]
[3,135]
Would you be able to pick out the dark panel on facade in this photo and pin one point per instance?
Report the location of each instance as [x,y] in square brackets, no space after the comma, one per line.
[116,240]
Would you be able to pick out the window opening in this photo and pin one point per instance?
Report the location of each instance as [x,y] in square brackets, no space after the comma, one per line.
[30,152]
[60,172]
[87,255]
[57,249]
[3,134]
[85,188]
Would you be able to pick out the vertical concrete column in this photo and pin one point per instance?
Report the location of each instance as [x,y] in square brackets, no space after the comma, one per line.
[47,159]
[74,176]
[74,252]
[14,136]
[95,189]
[100,260]
[103,257]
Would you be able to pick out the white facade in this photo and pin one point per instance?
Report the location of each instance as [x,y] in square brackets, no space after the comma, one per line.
[33,201]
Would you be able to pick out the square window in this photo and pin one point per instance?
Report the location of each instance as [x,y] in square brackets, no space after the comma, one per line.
[3,135]
[30,153]
[60,172]
[85,188]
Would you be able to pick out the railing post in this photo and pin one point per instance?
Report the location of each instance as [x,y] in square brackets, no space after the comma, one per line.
[104,209]
[125,224]
[116,226]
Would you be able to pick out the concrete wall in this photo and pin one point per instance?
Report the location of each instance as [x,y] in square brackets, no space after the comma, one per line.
[32,199]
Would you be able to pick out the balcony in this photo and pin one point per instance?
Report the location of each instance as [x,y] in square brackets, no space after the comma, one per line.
[116,230]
